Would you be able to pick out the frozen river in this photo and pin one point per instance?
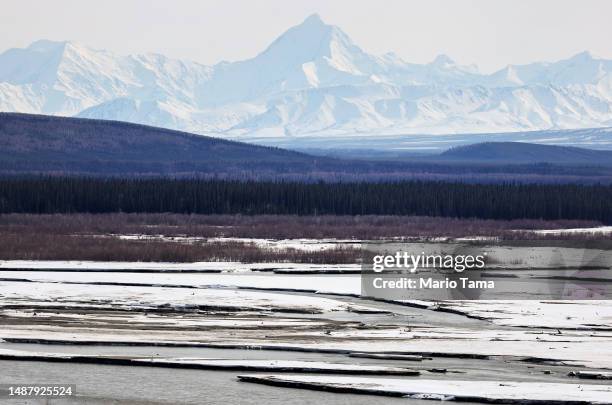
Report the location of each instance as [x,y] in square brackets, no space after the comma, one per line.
[149,337]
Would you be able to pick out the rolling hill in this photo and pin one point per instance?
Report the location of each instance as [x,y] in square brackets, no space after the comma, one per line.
[520,152]
[38,143]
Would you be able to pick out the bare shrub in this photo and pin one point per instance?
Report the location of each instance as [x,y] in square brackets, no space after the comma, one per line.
[35,246]
[274,226]
[90,237]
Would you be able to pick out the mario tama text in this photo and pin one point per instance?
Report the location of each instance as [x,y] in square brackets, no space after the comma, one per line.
[432,283]
[487,270]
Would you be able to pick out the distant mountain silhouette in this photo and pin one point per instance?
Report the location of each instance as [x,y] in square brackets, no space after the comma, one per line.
[519,152]
[39,144]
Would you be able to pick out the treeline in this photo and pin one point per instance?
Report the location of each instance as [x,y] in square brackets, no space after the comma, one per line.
[43,195]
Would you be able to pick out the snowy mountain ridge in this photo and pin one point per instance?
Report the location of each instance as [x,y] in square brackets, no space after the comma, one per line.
[313,81]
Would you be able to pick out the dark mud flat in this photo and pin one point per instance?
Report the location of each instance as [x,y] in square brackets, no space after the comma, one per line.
[474,369]
[107,384]
[218,364]
[111,270]
[385,356]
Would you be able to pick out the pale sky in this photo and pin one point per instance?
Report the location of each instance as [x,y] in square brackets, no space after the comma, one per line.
[488,33]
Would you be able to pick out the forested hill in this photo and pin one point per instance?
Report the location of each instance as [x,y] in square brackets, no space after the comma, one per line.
[521,152]
[39,143]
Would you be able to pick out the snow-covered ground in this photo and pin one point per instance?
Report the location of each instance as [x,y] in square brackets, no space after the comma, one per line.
[599,231]
[349,284]
[588,314]
[137,297]
[541,340]
[307,245]
[233,267]
[557,314]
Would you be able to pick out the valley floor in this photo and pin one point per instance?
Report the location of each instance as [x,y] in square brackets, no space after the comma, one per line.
[291,333]
[284,331]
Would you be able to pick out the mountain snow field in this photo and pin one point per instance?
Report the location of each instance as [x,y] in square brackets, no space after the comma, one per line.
[311,82]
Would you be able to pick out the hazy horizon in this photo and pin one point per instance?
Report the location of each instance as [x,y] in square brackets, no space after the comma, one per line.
[488,34]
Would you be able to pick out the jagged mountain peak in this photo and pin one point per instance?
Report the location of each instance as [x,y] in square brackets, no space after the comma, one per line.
[312,80]
[313,19]
[312,54]
[38,63]
[309,41]
[46,45]
[443,60]
[583,56]
[62,49]
[42,61]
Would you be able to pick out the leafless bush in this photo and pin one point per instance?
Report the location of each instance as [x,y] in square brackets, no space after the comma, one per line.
[35,246]
[271,226]
[86,236]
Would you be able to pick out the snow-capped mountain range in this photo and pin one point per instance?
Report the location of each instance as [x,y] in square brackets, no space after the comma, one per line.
[314,82]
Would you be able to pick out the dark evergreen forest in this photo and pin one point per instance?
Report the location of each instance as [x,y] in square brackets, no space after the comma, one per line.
[210,196]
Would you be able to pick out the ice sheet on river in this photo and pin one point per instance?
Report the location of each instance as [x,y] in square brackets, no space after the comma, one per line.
[211,363]
[506,392]
[591,314]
